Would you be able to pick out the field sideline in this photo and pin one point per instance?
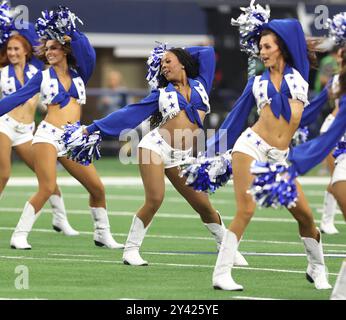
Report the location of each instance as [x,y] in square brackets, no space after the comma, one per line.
[180,251]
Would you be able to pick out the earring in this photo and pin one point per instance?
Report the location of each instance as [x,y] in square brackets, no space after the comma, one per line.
[183,67]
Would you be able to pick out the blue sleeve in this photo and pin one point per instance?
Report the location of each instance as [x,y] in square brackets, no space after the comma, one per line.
[127,118]
[233,126]
[206,59]
[32,87]
[309,154]
[313,109]
[85,55]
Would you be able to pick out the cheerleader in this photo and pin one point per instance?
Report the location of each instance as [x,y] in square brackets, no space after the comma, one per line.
[280,95]
[16,127]
[181,80]
[71,60]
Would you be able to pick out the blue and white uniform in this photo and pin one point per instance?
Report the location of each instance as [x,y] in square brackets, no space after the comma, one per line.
[52,91]
[170,103]
[17,132]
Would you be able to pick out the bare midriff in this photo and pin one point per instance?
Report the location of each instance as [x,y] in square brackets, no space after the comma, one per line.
[58,116]
[25,113]
[277,132]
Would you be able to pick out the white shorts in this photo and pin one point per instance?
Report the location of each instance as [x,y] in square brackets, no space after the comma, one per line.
[17,132]
[339,173]
[170,157]
[47,133]
[253,145]
[327,123]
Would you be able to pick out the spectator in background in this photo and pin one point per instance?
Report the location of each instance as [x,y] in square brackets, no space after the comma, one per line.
[114,96]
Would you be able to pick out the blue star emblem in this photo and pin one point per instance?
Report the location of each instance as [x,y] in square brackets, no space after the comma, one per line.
[53,130]
[169,97]
[261,95]
[172,105]
[258,142]
[248,135]
[52,85]
[153,134]
[294,86]
[44,126]
[159,142]
[164,110]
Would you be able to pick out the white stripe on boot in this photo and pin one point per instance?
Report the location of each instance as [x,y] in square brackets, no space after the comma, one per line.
[328,214]
[218,231]
[222,278]
[24,226]
[134,241]
[102,233]
[60,222]
[316,272]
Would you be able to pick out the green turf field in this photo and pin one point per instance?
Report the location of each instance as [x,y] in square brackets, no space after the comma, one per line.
[180,251]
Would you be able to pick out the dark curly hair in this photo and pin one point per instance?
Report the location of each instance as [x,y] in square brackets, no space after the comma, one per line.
[191,68]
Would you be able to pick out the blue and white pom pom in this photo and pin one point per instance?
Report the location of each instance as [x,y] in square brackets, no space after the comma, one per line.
[207,174]
[300,136]
[55,24]
[340,148]
[273,185]
[6,22]
[80,147]
[250,26]
[154,64]
[337,28]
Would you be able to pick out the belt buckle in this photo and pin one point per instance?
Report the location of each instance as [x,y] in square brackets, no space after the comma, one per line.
[20,128]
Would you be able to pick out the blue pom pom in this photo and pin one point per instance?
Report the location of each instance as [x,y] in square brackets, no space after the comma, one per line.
[80,147]
[154,64]
[340,149]
[6,22]
[337,28]
[300,136]
[55,24]
[273,185]
[250,25]
[207,174]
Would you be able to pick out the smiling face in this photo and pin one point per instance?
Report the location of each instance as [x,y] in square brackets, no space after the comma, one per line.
[54,52]
[16,52]
[270,52]
[171,68]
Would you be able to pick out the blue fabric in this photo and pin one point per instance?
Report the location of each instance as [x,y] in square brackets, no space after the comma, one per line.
[206,58]
[12,73]
[307,155]
[32,87]
[63,96]
[279,104]
[291,32]
[85,55]
[130,116]
[127,118]
[314,108]
[234,124]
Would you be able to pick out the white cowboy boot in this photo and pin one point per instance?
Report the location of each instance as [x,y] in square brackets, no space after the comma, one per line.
[329,209]
[60,222]
[222,278]
[134,241]
[339,292]
[218,231]
[316,272]
[102,233]
[24,226]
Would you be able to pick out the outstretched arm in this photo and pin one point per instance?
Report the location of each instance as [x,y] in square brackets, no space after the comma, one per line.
[22,95]
[126,118]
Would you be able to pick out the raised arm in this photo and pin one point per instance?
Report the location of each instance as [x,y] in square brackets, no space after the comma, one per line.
[233,125]
[127,118]
[22,95]
[206,59]
[84,54]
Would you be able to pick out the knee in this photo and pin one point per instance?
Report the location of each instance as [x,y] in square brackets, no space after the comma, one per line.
[4,177]
[245,213]
[154,202]
[98,192]
[47,190]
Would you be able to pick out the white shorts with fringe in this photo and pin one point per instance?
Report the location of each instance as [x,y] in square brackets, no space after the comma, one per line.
[17,132]
[253,145]
[47,133]
[339,173]
[170,157]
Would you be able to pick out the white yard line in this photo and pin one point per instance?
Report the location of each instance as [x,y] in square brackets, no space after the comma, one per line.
[252,298]
[151,263]
[188,238]
[131,181]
